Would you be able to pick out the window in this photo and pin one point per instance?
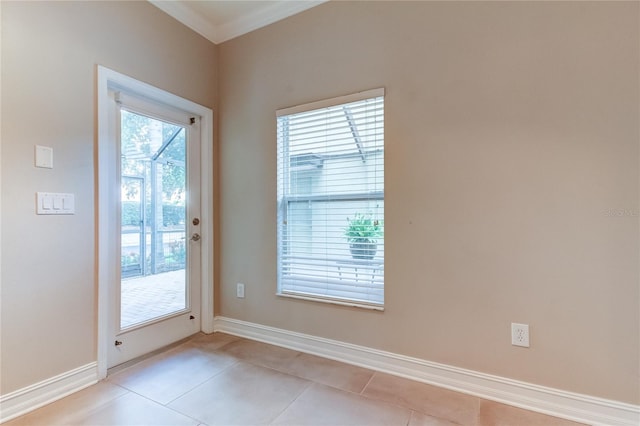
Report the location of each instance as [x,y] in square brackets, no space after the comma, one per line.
[331,200]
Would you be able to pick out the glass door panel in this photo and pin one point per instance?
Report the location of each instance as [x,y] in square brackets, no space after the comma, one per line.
[132,235]
[153,281]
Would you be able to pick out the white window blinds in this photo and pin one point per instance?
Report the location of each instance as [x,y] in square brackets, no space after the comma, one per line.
[331,200]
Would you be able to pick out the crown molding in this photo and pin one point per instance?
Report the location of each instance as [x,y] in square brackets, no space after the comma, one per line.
[263,17]
[188,17]
[242,25]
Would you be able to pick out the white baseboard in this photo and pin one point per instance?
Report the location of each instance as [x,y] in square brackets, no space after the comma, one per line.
[27,399]
[555,402]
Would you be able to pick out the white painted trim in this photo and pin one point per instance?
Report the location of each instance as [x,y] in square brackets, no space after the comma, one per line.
[260,17]
[326,103]
[0,158]
[27,399]
[104,273]
[188,17]
[206,224]
[109,79]
[263,17]
[554,402]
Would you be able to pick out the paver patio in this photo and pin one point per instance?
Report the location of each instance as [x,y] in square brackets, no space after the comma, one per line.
[145,298]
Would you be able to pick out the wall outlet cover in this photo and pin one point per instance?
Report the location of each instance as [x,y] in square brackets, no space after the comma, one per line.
[240,290]
[520,335]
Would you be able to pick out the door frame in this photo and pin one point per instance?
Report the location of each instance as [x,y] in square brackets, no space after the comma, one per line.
[108,79]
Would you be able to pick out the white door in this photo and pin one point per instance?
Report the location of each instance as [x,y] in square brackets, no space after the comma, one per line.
[155,299]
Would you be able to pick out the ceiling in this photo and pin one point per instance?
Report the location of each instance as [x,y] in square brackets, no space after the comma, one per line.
[220,21]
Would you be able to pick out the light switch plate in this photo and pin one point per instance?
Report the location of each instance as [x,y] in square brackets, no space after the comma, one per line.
[55,203]
[44,157]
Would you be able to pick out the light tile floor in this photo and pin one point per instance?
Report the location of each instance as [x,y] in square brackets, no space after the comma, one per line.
[224,380]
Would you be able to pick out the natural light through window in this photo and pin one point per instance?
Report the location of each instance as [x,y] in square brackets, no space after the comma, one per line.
[331,200]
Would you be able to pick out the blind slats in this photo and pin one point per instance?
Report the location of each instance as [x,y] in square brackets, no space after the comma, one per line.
[330,172]
[319,120]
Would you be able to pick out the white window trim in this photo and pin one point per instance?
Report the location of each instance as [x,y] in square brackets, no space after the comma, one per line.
[368,94]
[325,103]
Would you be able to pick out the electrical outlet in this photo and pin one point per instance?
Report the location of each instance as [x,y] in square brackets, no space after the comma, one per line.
[520,335]
[240,290]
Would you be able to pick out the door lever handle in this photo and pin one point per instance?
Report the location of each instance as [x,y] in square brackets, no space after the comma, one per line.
[195,237]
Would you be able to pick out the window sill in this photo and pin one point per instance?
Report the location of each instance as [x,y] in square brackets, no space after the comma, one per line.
[352,304]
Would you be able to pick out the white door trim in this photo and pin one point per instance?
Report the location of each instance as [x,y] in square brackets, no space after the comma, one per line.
[108,79]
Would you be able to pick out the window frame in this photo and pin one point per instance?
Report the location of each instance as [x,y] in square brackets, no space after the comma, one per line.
[285,198]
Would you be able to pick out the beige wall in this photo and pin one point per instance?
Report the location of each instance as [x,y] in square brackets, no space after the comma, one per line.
[49,54]
[512,132]
[512,146]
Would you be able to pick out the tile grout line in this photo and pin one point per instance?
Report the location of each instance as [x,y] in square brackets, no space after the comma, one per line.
[410,417]
[160,404]
[199,422]
[289,373]
[202,383]
[410,409]
[311,383]
[479,405]
[105,404]
[368,382]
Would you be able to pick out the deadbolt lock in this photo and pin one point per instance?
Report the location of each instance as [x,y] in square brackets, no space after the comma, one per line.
[195,221]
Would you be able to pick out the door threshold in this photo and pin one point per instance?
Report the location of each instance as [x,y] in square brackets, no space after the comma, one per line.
[117,368]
